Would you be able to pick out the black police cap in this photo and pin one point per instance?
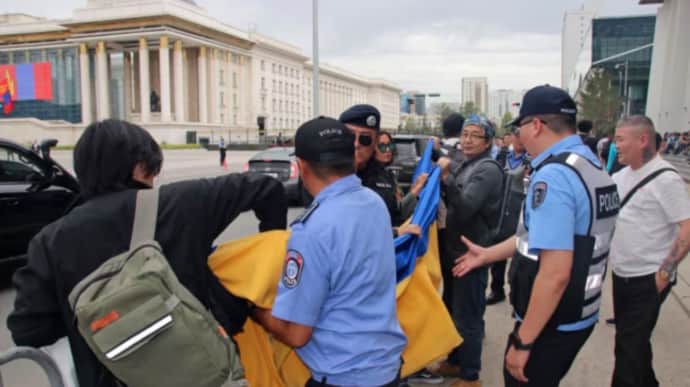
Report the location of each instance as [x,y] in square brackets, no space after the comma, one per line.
[545,100]
[324,140]
[363,115]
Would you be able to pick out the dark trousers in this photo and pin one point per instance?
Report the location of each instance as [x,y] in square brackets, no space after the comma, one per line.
[636,305]
[498,275]
[550,358]
[467,309]
[222,156]
[446,267]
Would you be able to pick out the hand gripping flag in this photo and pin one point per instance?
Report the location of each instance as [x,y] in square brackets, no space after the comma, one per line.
[430,332]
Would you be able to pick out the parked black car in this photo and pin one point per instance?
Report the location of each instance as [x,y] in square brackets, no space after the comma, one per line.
[408,150]
[279,163]
[34,191]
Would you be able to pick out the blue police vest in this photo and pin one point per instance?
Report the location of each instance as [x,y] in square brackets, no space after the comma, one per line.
[579,305]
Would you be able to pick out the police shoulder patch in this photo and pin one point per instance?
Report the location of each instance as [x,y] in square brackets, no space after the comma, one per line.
[294,263]
[538,194]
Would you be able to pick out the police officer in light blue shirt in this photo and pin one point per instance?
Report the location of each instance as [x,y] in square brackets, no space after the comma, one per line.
[336,299]
[561,247]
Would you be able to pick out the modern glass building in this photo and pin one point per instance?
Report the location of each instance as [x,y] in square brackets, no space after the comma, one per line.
[612,37]
[618,44]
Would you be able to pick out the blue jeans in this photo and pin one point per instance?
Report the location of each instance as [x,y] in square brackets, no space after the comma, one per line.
[468,306]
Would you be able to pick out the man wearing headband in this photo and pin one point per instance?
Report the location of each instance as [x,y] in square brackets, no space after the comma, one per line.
[472,194]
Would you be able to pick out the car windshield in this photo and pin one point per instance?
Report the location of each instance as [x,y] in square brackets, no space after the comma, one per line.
[405,150]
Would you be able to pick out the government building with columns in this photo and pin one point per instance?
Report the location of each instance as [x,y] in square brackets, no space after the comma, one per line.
[170,67]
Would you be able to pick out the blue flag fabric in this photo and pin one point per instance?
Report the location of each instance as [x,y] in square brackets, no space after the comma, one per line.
[409,247]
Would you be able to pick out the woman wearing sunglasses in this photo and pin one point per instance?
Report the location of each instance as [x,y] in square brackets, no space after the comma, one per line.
[384,155]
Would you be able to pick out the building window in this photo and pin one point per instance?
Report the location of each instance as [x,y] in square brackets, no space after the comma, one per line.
[234,79]
[263,83]
[274,105]
[280,69]
[263,104]
[274,85]
[234,119]
[222,99]
[234,100]
[263,65]
[222,77]
[280,87]
[274,68]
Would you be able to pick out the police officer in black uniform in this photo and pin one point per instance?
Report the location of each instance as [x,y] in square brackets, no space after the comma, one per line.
[365,123]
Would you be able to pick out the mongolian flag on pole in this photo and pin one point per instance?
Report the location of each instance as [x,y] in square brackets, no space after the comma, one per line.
[24,82]
[430,332]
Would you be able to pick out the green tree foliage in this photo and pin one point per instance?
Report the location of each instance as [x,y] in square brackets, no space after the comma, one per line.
[469,108]
[600,102]
[507,117]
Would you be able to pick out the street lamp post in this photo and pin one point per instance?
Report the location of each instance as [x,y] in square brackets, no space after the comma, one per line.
[623,73]
[315,60]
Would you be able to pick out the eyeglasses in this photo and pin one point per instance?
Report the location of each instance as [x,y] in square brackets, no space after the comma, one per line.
[364,139]
[389,147]
[473,136]
[528,121]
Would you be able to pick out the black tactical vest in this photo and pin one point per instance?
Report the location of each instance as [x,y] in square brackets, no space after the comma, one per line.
[581,300]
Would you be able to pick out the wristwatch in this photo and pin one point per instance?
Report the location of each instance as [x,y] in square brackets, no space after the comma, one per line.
[667,275]
[517,342]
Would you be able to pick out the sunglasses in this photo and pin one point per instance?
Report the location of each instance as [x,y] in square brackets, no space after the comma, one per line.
[364,139]
[386,147]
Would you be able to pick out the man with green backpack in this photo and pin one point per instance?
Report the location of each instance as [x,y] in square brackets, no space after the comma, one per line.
[133,293]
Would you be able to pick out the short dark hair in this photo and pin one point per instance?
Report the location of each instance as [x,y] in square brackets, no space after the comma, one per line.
[659,139]
[558,123]
[385,133]
[107,153]
[339,168]
[585,126]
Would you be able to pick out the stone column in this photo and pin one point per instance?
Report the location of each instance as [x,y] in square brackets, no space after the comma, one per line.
[203,102]
[85,84]
[179,81]
[213,86]
[144,82]
[102,97]
[164,61]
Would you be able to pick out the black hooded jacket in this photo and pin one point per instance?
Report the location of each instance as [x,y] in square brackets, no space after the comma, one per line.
[191,215]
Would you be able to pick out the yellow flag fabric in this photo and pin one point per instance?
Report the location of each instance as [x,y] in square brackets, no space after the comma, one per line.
[252,267]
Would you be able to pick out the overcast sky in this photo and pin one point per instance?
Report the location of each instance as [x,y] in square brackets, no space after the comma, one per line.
[425,45]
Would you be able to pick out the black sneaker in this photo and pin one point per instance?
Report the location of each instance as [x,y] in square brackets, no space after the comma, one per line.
[495,298]
[426,377]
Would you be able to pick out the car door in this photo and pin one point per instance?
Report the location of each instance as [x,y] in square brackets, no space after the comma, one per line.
[29,198]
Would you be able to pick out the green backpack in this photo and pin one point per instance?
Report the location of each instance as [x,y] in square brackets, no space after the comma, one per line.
[145,326]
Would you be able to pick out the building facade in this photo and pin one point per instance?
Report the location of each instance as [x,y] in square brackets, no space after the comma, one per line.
[170,67]
[611,38]
[668,97]
[576,27]
[504,101]
[476,90]
[623,47]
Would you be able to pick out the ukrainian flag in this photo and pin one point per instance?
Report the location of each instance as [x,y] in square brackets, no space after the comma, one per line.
[430,332]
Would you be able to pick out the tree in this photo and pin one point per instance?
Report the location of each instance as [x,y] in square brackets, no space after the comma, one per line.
[600,102]
[507,117]
[410,124]
[469,108]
